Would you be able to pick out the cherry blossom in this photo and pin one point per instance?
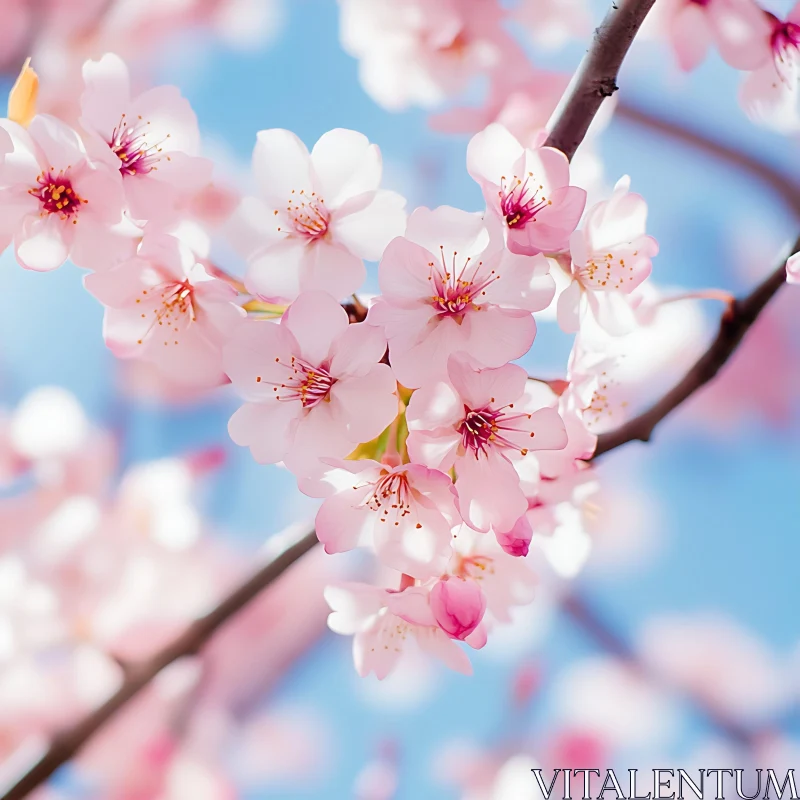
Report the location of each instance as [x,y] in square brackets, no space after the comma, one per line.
[446,287]
[405,513]
[318,215]
[470,424]
[771,93]
[528,189]
[610,257]
[458,606]
[312,385]
[152,139]
[382,620]
[164,307]
[735,27]
[415,53]
[57,202]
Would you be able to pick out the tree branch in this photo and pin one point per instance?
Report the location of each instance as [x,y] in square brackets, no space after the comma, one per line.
[734,324]
[593,625]
[785,186]
[596,77]
[66,744]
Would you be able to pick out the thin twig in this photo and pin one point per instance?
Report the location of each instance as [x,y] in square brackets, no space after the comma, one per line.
[66,744]
[591,623]
[782,183]
[734,324]
[596,78]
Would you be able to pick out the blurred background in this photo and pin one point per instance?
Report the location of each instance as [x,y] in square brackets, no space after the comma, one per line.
[676,645]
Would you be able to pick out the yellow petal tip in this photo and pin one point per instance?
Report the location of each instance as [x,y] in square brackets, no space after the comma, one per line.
[22,98]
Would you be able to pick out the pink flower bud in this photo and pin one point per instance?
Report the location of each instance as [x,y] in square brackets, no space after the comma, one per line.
[516,542]
[458,606]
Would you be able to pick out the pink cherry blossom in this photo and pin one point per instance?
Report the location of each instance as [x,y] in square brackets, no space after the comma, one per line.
[458,606]
[57,202]
[610,258]
[152,140]
[528,189]
[162,306]
[471,424]
[381,621]
[735,27]
[446,288]
[413,52]
[317,217]
[771,93]
[504,579]
[793,269]
[522,102]
[312,385]
[405,513]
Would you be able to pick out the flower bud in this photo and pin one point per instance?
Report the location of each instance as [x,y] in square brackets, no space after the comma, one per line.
[458,606]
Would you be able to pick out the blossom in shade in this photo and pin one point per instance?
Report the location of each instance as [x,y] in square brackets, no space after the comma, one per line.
[162,306]
[610,258]
[528,189]
[504,579]
[771,93]
[471,424]
[458,606]
[318,215]
[405,513]
[446,287]
[312,385]
[381,622]
[152,140]
[57,203]
[735,27]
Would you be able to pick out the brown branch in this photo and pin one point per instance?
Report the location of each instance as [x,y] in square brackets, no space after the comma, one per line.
[785,186]
[596,78]
[68,743]
[734,324]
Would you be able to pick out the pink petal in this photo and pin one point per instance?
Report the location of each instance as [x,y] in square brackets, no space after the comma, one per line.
[281,166]
[489,495]
[330,268]
[367,232]
[342,521]
[480,387]
[491,153]
[266,428]
[315,320]
[357,349]
[345,165]
[274,273]
[365,405]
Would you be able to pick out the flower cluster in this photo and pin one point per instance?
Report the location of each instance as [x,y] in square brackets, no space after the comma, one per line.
[410,56]
[426,444]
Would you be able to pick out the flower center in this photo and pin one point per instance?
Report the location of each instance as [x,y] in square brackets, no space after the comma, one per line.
[129,142]
[56,195]
[391,496]
[475,567]
[489,427]
[457,290]
[521,200]
[307,214]
[785,42]
[306,383]
[173,301]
